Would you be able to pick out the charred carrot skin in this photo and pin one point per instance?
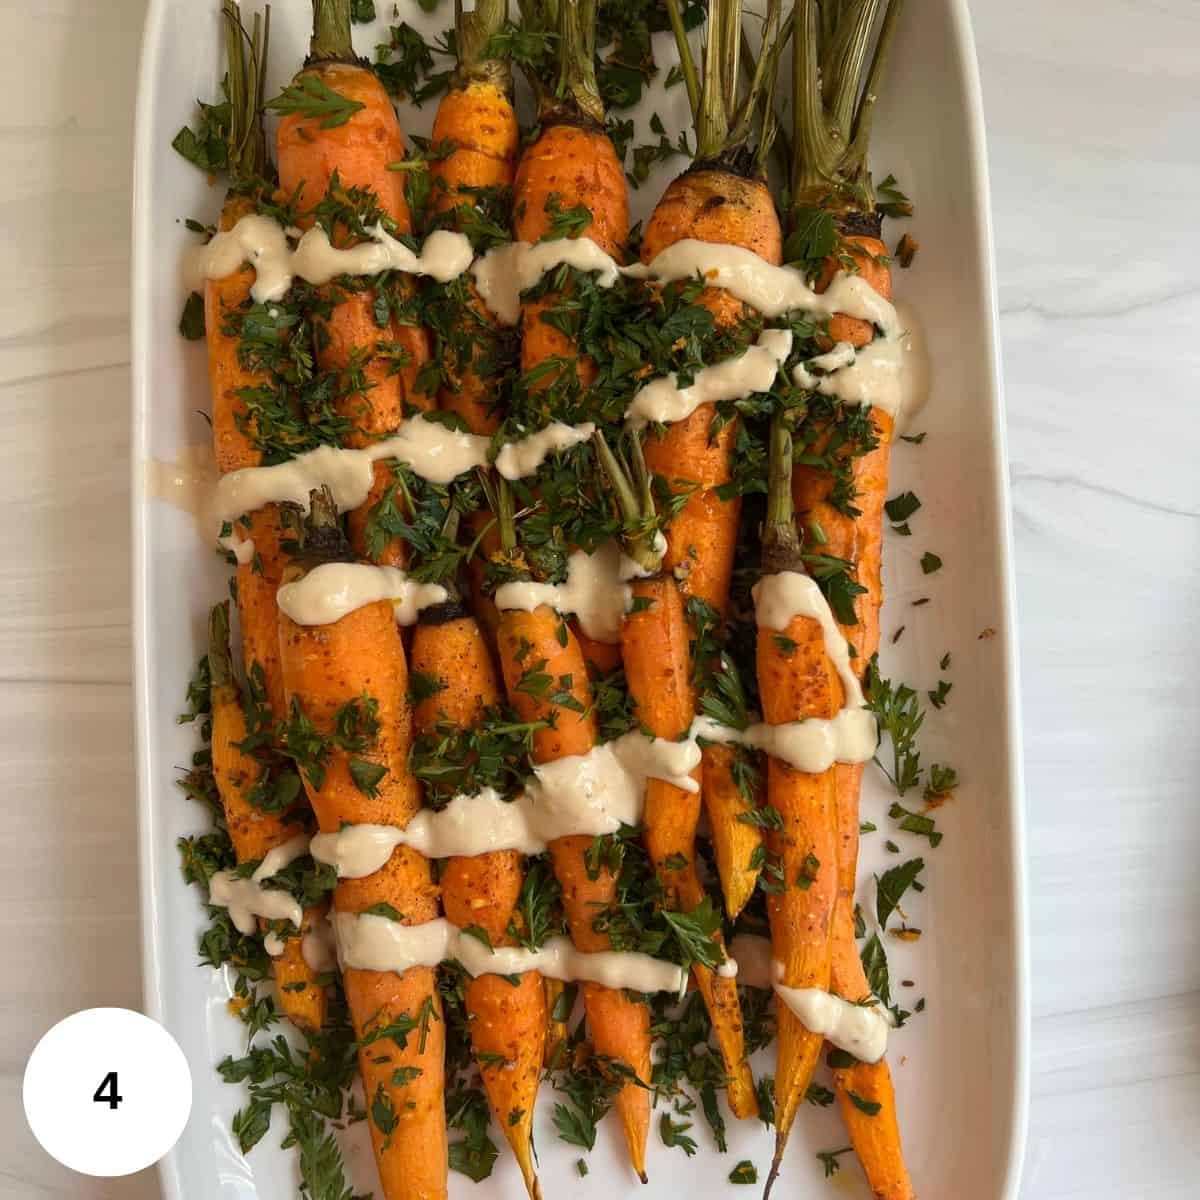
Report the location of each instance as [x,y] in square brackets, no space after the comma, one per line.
[859,540]
[325,669]
[620,1026]
[378,365]
[507,1019]
[655,645]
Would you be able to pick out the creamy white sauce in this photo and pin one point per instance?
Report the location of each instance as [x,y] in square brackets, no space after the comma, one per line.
[858,1029]
[888,374]
[771,290]
[812,745]
[662,399]
[590,794]
[504,272]
[330,591]
[317,947]
[431,450]
[373,943]
[780,597]
[247,899]
[518,459]
[815,744]
[264,244]
[594,591]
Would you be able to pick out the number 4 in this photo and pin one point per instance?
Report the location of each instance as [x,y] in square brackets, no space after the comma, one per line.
[111,1096]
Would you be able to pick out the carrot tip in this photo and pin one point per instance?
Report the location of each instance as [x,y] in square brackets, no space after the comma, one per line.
[643,1177]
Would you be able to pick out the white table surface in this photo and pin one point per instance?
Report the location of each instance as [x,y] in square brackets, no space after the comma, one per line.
[1093,108]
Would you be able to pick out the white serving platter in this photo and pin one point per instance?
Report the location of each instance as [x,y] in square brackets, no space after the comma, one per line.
[960,1066]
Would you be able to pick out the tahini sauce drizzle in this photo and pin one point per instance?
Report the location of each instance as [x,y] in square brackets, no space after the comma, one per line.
[860,1030]
[331,590]
[591,794]
[264,244]
[374,943]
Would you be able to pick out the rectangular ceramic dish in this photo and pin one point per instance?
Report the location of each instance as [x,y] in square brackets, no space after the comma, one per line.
[960,1065]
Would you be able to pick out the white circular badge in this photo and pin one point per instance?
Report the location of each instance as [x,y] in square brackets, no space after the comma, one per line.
[107,1091]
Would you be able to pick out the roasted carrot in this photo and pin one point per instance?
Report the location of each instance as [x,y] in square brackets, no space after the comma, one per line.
[722,198]
[834,177]
[475,140]
[375,360]
[348,683]
[235,448]
[655,649]
[572,166]
[796,681]
[255,833]
[620,1026]
[507,1018]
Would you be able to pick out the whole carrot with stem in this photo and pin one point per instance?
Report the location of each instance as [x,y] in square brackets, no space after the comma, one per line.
[506,1016]
[350,731]
[796,681]
[571,167]
[336,140]
[722,197]
[836,83]
[230,377]
[655,650]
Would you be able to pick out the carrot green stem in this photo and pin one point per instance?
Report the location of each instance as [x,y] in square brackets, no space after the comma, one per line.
[246,52]
[577,77]
[687,61]
[506,515]
[474,32]
[780,541]
[331,40]
[835,80]
[629,478]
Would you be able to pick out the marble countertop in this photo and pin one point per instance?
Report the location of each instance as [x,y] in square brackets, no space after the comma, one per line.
[1092,112]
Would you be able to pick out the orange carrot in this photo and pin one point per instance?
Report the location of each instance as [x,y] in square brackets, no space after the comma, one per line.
[797,681]
[656,651]
[620,1026]
[572,166]
[859,540]
[654,642]
[348,682]
[253,833]
[723,198]
[829,172]
[376,362]
[507,1020]
[477,124]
